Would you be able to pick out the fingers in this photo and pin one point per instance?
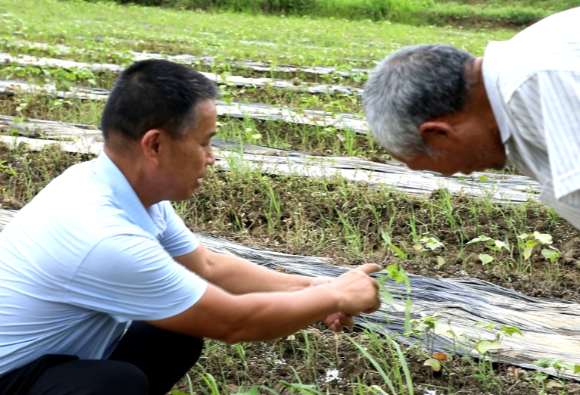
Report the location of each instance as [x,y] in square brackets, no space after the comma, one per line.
[368,268]
[347,320]
[337,321]
[336,326]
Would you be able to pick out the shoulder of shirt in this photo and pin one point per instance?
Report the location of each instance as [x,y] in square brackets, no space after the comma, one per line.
[542,48]
[78,200]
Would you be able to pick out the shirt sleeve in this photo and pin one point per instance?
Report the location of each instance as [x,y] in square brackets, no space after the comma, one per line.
[132,277]
[177,239]
[547,109]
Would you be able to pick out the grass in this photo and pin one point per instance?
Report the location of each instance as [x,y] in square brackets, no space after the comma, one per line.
[223,35]
[440,235]
[490,13]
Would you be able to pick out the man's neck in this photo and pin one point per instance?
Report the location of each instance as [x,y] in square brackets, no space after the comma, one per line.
[132,167]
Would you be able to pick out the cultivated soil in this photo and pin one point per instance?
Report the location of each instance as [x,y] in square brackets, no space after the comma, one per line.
[235,208]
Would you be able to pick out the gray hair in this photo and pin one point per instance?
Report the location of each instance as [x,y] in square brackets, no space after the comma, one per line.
[410,87]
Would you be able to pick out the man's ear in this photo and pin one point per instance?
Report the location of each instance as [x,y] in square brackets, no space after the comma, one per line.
[151,144]
[437,133]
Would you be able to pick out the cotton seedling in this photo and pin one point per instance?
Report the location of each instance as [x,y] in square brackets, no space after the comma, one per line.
[492,244]
[539,239]
[430,243]
[558,365]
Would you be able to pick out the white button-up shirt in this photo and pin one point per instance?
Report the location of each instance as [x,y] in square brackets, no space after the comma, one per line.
[533,84]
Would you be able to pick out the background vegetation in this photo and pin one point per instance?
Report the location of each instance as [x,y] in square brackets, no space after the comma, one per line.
[435,12]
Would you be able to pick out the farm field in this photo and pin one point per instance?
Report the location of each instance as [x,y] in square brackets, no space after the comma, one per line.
[291,106]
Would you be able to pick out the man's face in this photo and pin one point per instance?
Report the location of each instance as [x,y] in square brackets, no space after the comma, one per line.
[187,157]
[476,151]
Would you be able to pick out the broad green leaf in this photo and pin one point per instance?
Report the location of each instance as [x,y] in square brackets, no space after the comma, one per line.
[560,365]
[532,243]
[431,243]
[510,330]
[485,259]
[543,238]
[550,254]
[553,384]
[478,239]
[500,244]
[523,236]
[484,346]
[539,376]
[435,364]
[396,273]
[528,252]
[545,362]
[440,261]
[485,325]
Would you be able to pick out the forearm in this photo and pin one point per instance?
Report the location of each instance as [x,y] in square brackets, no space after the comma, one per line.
[274,315]
[239,276]
[263,316]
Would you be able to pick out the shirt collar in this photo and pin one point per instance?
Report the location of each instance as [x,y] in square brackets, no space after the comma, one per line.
[492,63]
[125,195]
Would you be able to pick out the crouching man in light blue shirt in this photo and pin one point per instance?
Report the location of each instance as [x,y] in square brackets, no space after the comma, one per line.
[103,288]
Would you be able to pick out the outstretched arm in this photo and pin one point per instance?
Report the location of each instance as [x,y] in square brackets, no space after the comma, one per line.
[264,316]
[239,276]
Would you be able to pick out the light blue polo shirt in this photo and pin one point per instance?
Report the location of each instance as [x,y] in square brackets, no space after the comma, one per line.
[82,260]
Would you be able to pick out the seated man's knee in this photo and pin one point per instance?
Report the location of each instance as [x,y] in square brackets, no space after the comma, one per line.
[123,379]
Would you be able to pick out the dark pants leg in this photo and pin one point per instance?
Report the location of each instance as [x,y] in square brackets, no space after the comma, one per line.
[147,361]
[163,356]
[91,377]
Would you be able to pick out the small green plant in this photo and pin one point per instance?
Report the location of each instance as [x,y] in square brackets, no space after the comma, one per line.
[5,168]
[559,366]
[539,239]
[387,238]
[492,244]
[430,243]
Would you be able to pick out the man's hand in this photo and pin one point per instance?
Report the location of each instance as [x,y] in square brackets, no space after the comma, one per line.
[358,296]
[337,321]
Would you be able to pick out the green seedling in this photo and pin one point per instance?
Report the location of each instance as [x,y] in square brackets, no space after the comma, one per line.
[485,346]
[539,239]
[430,243]
[558,365]
[492,244]
[395,249]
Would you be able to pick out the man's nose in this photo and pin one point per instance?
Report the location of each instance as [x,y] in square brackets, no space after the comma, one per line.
[210,158]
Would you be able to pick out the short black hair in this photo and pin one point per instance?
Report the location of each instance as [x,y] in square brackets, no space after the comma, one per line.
[156,93]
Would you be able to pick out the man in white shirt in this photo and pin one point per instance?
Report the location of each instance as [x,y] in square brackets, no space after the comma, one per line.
[438,108]
[105,291]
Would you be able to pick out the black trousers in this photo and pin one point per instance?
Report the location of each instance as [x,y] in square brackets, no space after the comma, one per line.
[147,361]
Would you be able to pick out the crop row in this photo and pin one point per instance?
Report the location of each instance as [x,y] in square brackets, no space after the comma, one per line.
[222,35]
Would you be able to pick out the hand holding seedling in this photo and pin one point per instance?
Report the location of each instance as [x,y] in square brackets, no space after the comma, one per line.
[337,321]
[360,292]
